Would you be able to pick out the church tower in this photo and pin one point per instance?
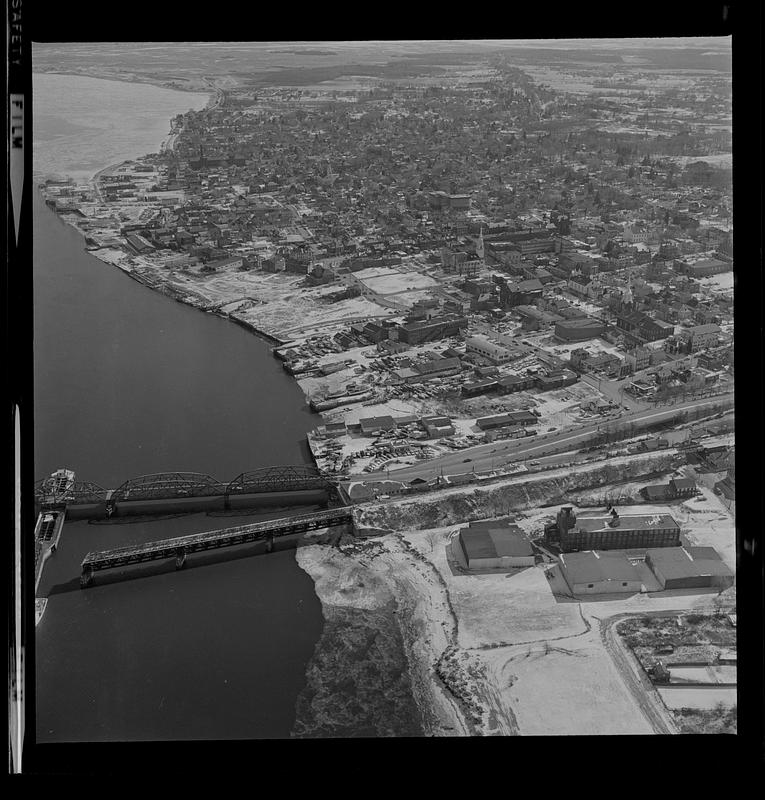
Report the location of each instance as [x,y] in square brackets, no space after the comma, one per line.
[627,298]
[479,251]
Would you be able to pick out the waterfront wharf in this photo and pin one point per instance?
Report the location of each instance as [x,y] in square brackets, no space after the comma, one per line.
[181,546]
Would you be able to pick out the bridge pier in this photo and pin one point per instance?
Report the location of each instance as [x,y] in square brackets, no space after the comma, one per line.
[86,579]
[269,544]
[180,558]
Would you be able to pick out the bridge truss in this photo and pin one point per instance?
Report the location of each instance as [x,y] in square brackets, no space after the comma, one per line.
[80,492]
[165,485]
[171,485]
[279,479]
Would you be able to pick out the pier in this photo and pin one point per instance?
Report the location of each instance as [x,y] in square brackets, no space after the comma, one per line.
[180,547]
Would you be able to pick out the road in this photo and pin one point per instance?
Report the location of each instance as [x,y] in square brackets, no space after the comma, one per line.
[639,684]
[614,391]
[491,456]
[635,678]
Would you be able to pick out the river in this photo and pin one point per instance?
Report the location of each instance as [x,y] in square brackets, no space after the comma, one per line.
[129,382]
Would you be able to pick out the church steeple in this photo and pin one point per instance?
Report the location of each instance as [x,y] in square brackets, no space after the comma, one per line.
[479,251]
[627,297]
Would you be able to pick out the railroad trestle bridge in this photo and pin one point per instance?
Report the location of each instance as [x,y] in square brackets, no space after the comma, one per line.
[181,546]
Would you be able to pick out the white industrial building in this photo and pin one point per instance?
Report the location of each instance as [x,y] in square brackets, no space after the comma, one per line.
[488,349]
[596,572]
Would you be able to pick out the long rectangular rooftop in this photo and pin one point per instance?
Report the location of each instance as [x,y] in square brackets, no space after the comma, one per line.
[631,522]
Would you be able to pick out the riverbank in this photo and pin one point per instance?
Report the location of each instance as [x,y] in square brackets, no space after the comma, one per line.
[378,584]
[511,652]
[166,288]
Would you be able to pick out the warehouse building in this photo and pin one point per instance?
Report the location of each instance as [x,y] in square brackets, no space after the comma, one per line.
[510,418]
[689,568]
[490,350]
[371,426]
[612,532]
[578,330]
[495,545]
[594,572]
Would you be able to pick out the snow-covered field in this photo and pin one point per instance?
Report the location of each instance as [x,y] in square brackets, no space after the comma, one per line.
[394,282]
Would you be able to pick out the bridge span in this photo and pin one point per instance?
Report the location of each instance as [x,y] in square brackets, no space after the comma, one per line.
[165,491]
[181,546]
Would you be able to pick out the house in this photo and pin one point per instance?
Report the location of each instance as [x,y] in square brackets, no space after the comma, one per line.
[596,572]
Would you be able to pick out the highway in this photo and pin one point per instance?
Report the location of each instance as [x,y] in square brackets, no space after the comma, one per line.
[496,454]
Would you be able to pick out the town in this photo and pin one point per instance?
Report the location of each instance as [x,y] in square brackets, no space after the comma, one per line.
[503,287]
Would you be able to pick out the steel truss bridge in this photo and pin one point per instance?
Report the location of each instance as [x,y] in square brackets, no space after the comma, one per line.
[179,547]
[47,494]
[174,485]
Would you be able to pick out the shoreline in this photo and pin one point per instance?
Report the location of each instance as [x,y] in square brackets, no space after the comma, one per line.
[368,575]
[122,79]
[162,288]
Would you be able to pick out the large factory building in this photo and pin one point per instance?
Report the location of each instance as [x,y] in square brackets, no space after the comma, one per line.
[612,532]
[592,572]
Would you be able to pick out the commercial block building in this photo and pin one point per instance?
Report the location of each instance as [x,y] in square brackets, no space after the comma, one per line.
[702,267]
[490,350]
[511,418]
[700,336]
[578,330]
[432,330]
